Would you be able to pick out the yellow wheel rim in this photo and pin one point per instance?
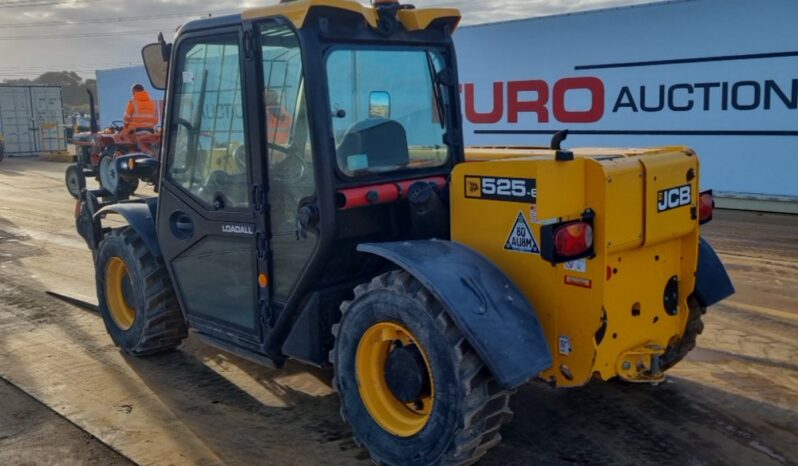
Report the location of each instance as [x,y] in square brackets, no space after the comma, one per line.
[398,418]
[116,274]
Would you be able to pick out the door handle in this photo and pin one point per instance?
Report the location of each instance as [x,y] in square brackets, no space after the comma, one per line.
[181,225]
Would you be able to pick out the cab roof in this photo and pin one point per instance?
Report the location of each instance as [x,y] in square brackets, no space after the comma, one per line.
[297,12]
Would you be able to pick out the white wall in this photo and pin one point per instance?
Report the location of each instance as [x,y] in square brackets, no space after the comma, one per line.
[738,152]
[113,87]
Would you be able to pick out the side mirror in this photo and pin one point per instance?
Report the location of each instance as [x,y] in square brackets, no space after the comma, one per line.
[156,62]
[141,166]
[379,104]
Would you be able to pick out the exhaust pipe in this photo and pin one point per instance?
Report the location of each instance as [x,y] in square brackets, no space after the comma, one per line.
[93,120]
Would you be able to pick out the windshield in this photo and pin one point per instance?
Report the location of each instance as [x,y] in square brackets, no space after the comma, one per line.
[386,110]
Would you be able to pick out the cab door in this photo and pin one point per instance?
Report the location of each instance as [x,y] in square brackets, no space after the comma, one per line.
[291,174]
[210,202]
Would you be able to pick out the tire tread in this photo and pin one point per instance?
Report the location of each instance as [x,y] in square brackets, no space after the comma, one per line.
[163,328]
[694,327]
[485,407]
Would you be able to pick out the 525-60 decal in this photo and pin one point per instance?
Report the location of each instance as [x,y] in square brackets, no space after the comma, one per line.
[501,189]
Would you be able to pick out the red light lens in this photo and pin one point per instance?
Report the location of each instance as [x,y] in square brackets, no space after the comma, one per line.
[573,239]
[706,204]
[77,209]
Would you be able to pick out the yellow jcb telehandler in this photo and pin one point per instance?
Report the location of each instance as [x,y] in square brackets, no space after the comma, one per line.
[317,203]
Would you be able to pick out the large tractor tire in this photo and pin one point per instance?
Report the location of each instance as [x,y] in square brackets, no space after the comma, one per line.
[411,387]
[75,180]
[678,350]
[108,177]
[137,301]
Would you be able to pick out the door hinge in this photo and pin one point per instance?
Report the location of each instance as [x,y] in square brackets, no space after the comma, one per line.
[257,198]
[249,45]
[264,312]
[260,239]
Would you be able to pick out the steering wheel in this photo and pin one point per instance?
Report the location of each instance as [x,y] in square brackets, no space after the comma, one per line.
[292,168]
[185,123]
[226,187]
[118,125]
[240,156]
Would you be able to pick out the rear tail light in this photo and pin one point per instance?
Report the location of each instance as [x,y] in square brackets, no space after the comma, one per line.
[706,204]
[567,241]
[77,208]
[573,239]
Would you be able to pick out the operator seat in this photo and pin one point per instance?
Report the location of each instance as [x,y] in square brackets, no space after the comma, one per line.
[374,144]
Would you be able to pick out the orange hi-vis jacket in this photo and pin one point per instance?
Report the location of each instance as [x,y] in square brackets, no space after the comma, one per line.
[278,125]
[141,111]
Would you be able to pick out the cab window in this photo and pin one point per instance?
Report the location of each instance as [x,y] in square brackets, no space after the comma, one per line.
[207,154]
[386,110]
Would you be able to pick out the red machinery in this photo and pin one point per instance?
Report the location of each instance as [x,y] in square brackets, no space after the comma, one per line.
[97,152]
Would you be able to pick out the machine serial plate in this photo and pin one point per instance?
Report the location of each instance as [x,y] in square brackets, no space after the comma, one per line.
[501,189]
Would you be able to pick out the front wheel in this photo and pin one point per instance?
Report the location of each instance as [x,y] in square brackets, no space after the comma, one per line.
[75,181]
[413,389]
[137,301]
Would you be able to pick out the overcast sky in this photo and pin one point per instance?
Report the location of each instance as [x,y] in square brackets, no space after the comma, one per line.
[85,35]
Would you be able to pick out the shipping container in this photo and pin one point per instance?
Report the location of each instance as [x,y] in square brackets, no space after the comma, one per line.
[31,119]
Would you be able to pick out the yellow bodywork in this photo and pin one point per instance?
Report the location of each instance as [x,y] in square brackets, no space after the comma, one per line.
[297,12]
[603,316]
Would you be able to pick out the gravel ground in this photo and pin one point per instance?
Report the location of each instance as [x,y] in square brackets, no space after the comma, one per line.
[733,401]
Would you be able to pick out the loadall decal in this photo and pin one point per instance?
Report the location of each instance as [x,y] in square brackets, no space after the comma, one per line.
[521,238]
[501,189]
[238,229]
[672,198]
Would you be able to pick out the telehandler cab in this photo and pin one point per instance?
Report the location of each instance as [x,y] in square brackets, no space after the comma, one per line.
[317,203]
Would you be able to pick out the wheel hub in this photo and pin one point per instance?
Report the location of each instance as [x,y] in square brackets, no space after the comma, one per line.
[108,175]
[394,378]
[73,182]
[406,373]
[119,291]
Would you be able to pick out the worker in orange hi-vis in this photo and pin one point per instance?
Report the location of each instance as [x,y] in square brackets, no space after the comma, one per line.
[141,113]
[279,122]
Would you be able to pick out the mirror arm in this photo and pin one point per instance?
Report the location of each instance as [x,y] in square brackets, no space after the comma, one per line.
[166,49]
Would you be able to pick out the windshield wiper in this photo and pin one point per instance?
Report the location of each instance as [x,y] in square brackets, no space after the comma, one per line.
[436,89]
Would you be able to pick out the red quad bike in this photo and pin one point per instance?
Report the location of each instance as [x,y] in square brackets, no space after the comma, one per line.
[97,154]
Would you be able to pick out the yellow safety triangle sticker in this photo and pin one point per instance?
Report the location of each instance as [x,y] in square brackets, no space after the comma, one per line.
[521,237]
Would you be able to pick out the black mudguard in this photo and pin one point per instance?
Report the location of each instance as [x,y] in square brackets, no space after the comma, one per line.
[712,282]
[141,218]
[491,311]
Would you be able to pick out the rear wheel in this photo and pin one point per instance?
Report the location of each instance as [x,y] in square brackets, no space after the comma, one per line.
[137,302]
[695,326]
[412,388]
[119,187]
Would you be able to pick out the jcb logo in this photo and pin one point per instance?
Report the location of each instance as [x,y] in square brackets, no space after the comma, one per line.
[672,198]
[473,186]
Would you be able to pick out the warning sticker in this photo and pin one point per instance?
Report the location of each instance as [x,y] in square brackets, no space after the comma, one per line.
[521,238]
